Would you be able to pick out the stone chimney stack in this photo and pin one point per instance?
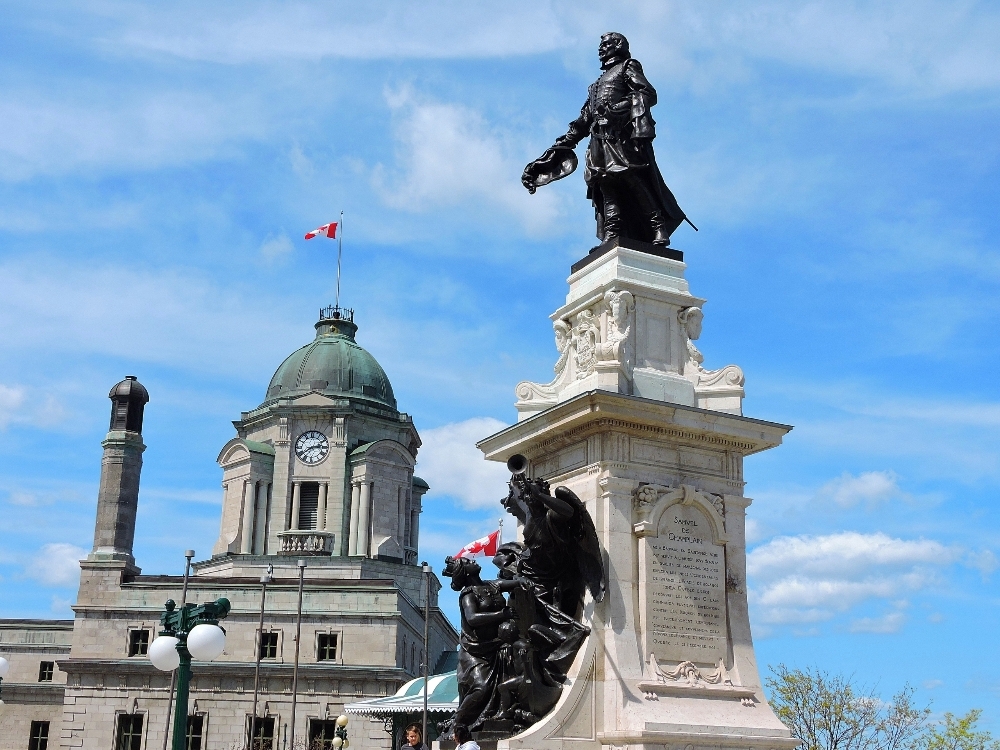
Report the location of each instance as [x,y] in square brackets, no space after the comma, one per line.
[118,497]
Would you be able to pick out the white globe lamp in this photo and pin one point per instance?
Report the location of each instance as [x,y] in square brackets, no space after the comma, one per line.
[163,653]
[206,642]
[4,669]
[341,721]
[336,743]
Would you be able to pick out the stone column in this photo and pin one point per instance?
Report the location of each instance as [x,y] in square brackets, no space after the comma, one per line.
[414,527]
[246,530]
[401,517]
[260,524]
[352,536]
[364,516]
[296,490]
[321,509]
[118,497]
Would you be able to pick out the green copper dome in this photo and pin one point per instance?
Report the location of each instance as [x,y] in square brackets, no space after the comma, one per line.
[334,364]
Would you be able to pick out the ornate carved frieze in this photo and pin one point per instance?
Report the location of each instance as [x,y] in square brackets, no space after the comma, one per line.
[650,497]
[723,387]
[597,337]
[686,678]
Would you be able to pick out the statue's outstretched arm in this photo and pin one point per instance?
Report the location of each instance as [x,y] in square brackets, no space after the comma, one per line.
[578,129]
[558,507]
[558,161]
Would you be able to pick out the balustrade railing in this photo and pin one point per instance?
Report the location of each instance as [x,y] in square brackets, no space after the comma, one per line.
[306,542]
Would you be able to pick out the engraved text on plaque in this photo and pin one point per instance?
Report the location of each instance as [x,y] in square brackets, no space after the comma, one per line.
[685,589]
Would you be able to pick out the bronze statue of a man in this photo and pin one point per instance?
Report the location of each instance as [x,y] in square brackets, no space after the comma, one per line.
[629,195]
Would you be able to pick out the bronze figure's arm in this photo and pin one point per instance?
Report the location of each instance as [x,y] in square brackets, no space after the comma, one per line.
[643,98]
[578,129]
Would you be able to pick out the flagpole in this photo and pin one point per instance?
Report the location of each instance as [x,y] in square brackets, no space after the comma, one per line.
[340,252]
[500,540]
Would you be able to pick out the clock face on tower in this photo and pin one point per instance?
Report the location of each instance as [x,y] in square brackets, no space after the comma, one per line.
[311,447]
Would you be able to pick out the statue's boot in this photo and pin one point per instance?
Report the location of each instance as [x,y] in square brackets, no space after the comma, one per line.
[612,221]
[661,233]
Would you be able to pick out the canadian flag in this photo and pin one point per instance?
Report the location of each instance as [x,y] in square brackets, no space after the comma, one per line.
[487,546]
[327,230]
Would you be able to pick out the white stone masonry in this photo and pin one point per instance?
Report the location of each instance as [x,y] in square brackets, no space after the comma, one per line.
[629,326]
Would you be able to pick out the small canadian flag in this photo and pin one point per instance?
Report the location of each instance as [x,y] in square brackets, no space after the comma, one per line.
[487,546]
[327,230]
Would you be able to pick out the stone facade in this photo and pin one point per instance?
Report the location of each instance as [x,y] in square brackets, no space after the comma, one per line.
[351,514]
[31,691]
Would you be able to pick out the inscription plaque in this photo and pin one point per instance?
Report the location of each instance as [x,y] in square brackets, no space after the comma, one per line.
[685,591]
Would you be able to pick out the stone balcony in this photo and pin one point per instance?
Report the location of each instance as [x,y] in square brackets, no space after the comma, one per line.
[308,542]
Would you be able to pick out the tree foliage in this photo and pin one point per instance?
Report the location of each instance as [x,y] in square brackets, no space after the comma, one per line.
[959,733]
[829,712]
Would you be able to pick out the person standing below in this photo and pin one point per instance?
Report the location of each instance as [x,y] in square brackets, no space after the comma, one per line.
[414,740]
[463,738]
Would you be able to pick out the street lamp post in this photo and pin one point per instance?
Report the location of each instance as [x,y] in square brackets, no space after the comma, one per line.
[191,631]
[298,637]
[427,652]
[188,556]
[264,580]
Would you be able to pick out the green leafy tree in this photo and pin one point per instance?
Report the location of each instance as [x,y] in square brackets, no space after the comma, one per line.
[959,733]
[829,712]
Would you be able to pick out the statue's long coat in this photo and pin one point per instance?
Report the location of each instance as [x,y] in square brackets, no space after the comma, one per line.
[617,118]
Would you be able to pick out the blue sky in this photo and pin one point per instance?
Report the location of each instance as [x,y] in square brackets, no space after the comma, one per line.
[159,164]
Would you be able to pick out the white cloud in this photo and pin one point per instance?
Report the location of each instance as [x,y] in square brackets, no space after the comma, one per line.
[928,46]
[871,489]
[118,129]
[453,466]
[11,401]
[808,579]
[25,499]
[267,31]
[14,408]
[448,155]
[891,622]
[276,248]
[61,606]
[202,497]
[56,564]
[984,561]
[187,320]
[939,438]
[925,48]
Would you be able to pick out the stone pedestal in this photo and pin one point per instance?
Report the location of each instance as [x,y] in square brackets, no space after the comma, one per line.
[629,326]
[656,453]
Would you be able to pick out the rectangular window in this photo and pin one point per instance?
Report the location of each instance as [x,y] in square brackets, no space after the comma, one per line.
[321,734]
[128,736]
[195,732]
[45,671]
[326,647]
[308,505]
[262,733]
[138,642]
[268,645]
[39,738]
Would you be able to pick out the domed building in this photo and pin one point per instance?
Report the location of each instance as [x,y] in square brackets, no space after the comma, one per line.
[324,466]
[318,482]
